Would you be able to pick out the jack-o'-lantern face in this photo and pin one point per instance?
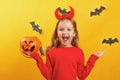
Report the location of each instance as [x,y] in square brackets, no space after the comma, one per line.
[30,44]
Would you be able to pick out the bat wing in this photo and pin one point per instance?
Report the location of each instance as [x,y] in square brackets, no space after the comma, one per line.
[96,12]
[92,13]
[59,9]
[115,40]
[38,30]
[37,25]
[105,41]
[101,9]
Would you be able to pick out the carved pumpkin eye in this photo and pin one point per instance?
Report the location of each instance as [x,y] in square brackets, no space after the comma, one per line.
[30,44]
[25,42]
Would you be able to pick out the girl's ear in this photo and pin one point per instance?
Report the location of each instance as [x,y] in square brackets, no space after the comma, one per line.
[74,34]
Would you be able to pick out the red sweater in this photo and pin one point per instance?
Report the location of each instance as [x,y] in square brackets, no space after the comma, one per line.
[65,63]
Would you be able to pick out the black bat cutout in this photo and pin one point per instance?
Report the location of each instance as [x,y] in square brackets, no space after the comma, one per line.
[97,11]
[63,11]
[41,51]
[110,41]
[35,27]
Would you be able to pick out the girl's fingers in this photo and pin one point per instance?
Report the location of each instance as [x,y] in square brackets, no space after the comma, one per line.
[100,53]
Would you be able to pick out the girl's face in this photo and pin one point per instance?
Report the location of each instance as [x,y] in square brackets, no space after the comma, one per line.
[65,33]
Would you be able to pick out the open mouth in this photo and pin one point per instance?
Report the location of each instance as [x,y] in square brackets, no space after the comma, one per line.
[65,37]
[32,48]
[26,49]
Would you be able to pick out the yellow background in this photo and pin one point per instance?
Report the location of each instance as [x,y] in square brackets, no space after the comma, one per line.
[15,16]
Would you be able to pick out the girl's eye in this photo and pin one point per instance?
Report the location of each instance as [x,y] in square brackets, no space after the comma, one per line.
[61,29]
[69,29]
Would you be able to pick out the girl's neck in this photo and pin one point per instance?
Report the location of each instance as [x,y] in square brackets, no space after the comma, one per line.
[66,46]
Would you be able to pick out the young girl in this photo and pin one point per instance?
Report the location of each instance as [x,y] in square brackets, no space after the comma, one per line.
[64,59]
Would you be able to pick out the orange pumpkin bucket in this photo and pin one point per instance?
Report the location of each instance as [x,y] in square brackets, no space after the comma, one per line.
[30,45]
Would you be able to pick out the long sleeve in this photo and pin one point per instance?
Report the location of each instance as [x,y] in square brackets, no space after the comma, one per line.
[45,69]
[84,71]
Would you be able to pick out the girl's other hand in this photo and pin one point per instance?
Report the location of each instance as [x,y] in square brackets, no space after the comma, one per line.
[100,53]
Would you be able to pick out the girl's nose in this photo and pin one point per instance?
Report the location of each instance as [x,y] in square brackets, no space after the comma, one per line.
[65,32]
[65,35]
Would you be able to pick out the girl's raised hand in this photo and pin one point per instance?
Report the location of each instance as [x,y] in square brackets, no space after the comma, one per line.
[100,53]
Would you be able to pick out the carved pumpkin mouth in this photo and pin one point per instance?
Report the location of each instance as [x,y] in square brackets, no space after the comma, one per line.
[31,49]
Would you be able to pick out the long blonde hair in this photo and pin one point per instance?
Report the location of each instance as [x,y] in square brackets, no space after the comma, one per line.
[55,41]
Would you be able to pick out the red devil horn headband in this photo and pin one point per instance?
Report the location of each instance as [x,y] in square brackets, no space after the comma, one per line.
[67,15]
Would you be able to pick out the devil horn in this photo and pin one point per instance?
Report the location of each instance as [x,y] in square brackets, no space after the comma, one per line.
[71,15]
[58,16]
